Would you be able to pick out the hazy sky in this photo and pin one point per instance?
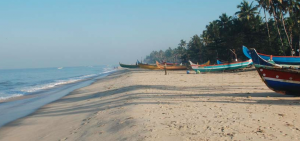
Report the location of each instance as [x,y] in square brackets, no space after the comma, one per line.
[54,33]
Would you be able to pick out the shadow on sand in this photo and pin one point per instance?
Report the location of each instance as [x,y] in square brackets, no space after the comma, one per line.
[126,96]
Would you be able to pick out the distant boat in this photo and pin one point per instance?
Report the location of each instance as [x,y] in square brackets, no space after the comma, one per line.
[171,67]
[284,79]
[193,65]
[60,68]
[292,60]
[168,64]
[154,67]
[138,62]
[146,66]
[129,66]
[223,67]
[219,62]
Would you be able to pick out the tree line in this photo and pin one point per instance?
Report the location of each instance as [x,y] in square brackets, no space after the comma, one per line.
[270,26]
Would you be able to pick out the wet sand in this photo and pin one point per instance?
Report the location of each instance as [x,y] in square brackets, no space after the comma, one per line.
[148,105]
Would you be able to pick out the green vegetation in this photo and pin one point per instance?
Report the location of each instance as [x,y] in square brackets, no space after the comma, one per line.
[276,35]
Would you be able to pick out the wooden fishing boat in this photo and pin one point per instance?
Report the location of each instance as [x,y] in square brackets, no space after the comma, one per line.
[292,60]
[171,67]
[146,66]
[129,66]
[153,67]
[193,65]
[284,79]
[223,67]
[168,64]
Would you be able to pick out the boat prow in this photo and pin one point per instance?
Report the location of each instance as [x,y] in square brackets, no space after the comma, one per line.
[193,65]
[279,78]
[246,52]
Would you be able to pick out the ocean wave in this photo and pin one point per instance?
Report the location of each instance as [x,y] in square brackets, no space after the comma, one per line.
[10,96]
[9,83]
[107,71]
[5,83]
[55,83]
[47,84]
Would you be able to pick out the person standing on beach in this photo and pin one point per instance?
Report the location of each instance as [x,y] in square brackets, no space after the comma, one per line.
[165,68]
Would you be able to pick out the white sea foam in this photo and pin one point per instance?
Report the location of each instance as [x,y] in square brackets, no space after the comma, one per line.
[107,70]
[41,87]
[56,83]
[10,96]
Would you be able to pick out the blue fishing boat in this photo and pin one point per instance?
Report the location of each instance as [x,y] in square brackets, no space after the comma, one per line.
[223,67]
[284,79]
[293,60]
[219,62]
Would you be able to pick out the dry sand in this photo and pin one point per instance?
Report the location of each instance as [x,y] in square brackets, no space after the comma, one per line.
[148,105]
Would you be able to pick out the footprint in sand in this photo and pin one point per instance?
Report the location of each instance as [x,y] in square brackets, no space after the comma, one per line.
[64,139]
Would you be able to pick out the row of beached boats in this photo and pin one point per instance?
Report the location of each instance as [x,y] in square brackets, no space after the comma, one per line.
[157,66]
[280,73]
[205,67]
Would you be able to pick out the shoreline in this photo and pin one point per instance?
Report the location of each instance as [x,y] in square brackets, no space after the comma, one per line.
[148,105]
[22,106]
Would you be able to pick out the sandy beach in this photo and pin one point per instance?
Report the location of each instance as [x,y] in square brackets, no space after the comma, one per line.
[148,105]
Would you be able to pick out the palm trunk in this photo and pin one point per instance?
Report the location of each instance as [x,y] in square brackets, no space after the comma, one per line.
[267,26]
[287,36]
[276,21]
[291,39]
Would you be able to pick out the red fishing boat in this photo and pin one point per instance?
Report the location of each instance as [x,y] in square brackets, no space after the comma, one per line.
[284,79]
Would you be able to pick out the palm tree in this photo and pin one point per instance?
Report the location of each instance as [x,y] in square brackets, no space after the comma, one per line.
[283,7]
[223,20]
[272,11]
[265,4]
[246,11]
[182,43]
[169,54]
[194,48]
[180,50]
[294,12]
[204,37]
[213,31]
[161,53]
[290,25]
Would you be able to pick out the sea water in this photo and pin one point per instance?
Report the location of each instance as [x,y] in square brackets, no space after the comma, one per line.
[20,82]
[22,91]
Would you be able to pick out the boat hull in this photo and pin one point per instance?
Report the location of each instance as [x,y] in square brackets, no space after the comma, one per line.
[171,67]
[279,78]
[284,82]
[145,66]
[223,67]
[129,66]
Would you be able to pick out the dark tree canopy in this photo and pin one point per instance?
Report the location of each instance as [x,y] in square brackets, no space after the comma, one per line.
[276,35]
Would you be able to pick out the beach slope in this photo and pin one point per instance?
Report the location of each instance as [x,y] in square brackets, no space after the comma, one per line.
[148,105]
